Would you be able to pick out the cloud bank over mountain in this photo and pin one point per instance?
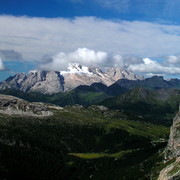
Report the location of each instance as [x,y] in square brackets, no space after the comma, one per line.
[106,42]
[10,55]
[91,58]
[175,60]
[34,37]
[152,67]
[87,57]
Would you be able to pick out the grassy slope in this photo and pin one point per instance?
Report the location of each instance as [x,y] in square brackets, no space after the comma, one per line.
[157,106]
[84,95]
[78,143]
[62,99]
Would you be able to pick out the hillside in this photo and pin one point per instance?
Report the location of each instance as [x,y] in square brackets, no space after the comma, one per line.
[79,143]
[155,82]
[154,105]
[83,95]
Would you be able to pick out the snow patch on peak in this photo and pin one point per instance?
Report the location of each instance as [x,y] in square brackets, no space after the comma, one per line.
[74,68]
[33,71]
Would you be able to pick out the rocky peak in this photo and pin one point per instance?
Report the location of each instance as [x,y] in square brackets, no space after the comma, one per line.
[14,82]
[47,82]
[120,73]
[38,75]
[75,67]
[96,71]
[53,82]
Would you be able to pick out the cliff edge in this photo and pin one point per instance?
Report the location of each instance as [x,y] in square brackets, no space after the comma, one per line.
[172,153]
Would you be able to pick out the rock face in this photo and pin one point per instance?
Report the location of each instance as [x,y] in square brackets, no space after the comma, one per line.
[36,81]
[173,148]
[172,153]
[50,82]
[15,106]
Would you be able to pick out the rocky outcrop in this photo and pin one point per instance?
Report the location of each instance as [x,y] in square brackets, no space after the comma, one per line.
[50,82]
[172,153]
[171,172]
[173,148]
[15,106]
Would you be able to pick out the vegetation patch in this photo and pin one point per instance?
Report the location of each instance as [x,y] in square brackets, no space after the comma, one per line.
[99,155]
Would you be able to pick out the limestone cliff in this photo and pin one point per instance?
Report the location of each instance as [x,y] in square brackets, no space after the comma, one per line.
[172,153]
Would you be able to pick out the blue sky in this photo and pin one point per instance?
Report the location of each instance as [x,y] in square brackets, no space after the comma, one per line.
[35,34]
[146,10]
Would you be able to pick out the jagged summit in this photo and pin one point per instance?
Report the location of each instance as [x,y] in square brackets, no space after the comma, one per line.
[50,82]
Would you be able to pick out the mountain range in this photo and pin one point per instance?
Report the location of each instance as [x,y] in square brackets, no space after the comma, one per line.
[155,99]
[50,82]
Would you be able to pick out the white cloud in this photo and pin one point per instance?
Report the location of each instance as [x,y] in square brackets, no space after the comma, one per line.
[175,60]
[120,5]
[82,56]
[35,37]
[157,9]
[154,74]
[107,42]
[10,55]
[91,58]
[1,65]
[87,57]
[151,67]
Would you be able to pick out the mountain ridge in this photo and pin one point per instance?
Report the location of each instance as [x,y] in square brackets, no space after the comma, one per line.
[155,105]
[154,82]
[50,82]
